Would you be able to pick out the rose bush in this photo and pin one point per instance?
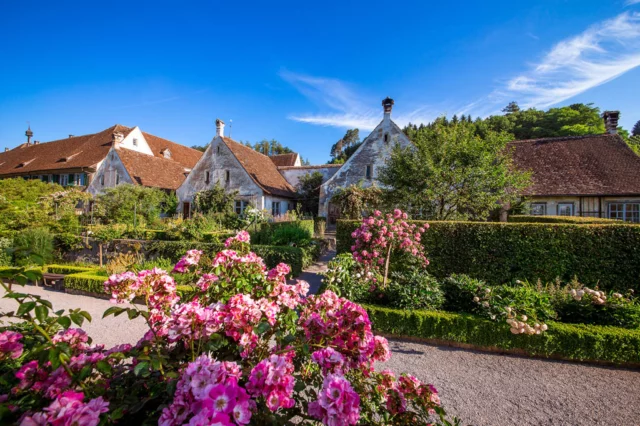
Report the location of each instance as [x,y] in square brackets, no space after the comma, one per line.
[238,346]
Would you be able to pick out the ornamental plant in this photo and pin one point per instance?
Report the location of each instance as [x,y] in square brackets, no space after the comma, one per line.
[381,236]
[238,346]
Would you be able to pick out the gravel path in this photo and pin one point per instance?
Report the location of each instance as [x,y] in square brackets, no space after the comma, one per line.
[480,388]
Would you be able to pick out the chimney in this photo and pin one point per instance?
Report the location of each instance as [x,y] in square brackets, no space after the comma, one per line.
[116,138]
[70,136]
[219,127]
[29,135]
[387,104]
[611,122]
[36,142]
[6,149]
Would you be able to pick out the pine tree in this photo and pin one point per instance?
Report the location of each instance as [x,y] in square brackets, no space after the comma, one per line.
[511,108]
[635,131]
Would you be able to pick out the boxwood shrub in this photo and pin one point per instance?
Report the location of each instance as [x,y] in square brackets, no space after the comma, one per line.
[69,269]
[571,341]
[598,254]
[85,281]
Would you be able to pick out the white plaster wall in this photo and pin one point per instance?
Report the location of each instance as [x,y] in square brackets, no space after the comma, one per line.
[108,167]
[142,147]
[216,163]
[293,175]
[373,151]
[284,203]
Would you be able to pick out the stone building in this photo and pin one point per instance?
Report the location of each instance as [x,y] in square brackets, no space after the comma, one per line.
[591,176]
[100,160]
[363,166]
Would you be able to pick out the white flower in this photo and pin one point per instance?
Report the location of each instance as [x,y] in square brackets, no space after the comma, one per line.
[508,309]
[485,304]
[580,293]
[524,318]
[339,280]
[358,275]
[488,290]
[476,299]
[544,327]
[514,330]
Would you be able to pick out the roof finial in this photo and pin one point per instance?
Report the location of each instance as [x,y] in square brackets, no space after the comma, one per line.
[28,133]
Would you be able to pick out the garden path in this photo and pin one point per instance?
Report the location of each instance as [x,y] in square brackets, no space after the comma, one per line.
[312,273]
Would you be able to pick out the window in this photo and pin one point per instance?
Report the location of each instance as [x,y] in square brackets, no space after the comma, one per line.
[539,209]
[117,178]
[369,171]
[629,212]
[206,177]
[102,179]
[64,180]
[135,142]
[227,176]
[218,149]
[241,206]
[275,208]
[386,137]
[565,209]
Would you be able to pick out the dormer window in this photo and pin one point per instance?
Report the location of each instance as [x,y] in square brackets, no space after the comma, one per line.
[135,142]
[369,171]
[166,153]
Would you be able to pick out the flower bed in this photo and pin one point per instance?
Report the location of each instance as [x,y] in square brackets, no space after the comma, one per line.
[604,255]
[241,347]
[570,341]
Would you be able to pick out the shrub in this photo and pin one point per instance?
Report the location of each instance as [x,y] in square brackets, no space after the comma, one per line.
[5,256]
[67,242]
[33,246]
[85,281]
[344,277]
[561,219]
[290,235]
[572,341]
[319,226]
[414,289]
[459,291]
[604,255]
[107,233]
[69,269]
[302,229]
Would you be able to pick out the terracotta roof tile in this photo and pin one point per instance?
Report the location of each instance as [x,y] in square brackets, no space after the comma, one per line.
[184,155]
[261,169]
[284,159]
[579,165]
[152,171]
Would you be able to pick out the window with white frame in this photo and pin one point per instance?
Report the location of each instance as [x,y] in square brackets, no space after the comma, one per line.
[241,206]
[629,212]
[275,208]
[565,209]
[539,209]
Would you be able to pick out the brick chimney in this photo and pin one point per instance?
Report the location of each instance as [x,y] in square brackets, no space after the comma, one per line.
[611,121]
[387,105]
[219,127]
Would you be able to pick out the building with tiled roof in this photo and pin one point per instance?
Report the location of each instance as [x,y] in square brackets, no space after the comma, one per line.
[237,167]
[593,175]
[291,159]
[97,161]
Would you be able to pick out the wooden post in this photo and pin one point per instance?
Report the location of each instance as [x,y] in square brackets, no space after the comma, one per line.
[100,247]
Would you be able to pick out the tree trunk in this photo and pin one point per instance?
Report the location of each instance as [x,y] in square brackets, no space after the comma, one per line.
[386,267]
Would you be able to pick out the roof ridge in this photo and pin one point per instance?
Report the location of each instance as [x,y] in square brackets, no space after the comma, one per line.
[563,138]
[246,147]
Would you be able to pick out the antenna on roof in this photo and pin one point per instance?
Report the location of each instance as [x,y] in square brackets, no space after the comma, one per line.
[230,127]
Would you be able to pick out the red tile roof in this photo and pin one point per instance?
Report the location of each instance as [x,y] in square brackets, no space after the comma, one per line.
[156,172]
[186,156]
[261,169]
[284,159]
[579,165]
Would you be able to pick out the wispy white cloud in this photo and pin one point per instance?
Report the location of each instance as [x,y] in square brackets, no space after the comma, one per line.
[600,54]
[631,2]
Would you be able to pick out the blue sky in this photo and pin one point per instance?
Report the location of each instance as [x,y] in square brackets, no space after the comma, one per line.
[303,72]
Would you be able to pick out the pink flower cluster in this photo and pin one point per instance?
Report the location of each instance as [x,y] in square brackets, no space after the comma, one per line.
[241,237]
[407,388]
[273,379]
[377,233]
[123,287]
[190,259]
[231,258]
[191,321]
[329,360]
[208,393]
[68,409]
[76,338]
[337,404]
[343,325]
[10,346]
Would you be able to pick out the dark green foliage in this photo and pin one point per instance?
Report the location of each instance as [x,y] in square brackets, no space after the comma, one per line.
[33,246]
[132,205]
[290,236]
[272,147]
[308,189]
[526,300]
[561,219]
[635,131]
[606,255]
[626,316]
[214,200]
[414,289]
[354,200]
[267,231]
[345,147]
[66,242]
[579,342]
[69,269]
[5,256]
[319,226]
[459,291]
[85,281]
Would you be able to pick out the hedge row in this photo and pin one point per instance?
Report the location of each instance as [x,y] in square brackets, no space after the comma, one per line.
[561,219]
[68,269]
[604,255]
[572,341]
[92,283]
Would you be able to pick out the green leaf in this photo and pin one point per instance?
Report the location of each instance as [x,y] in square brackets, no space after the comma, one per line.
[117,413]
[141,367]
[25,308]
[262,327]
[84,373]
[114,310]
[41,313]
[54,359]
[103,367]
[77,318]
[86,315]
[64,322]
[46,303]
[132,313]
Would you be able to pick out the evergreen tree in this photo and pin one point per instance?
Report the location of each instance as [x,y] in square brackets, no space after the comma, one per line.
[511,108]
[635,131]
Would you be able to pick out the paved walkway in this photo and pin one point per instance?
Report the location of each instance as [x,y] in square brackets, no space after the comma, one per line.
[480,388]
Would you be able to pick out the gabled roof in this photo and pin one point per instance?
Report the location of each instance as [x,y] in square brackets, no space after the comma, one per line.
[184,155]
[283,160]
[261,169]
[75,152]
[147,170]
[579,165]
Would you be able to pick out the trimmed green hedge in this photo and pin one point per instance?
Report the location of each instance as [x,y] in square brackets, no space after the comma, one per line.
[561,219]
[272,255]
[572,341]
[604,255]
[69,269]
[85,281]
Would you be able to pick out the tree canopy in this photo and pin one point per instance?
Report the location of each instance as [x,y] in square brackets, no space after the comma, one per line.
[345,147]
[214,200]
[308,189]
[133,204]
[272,147]
[456,171]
